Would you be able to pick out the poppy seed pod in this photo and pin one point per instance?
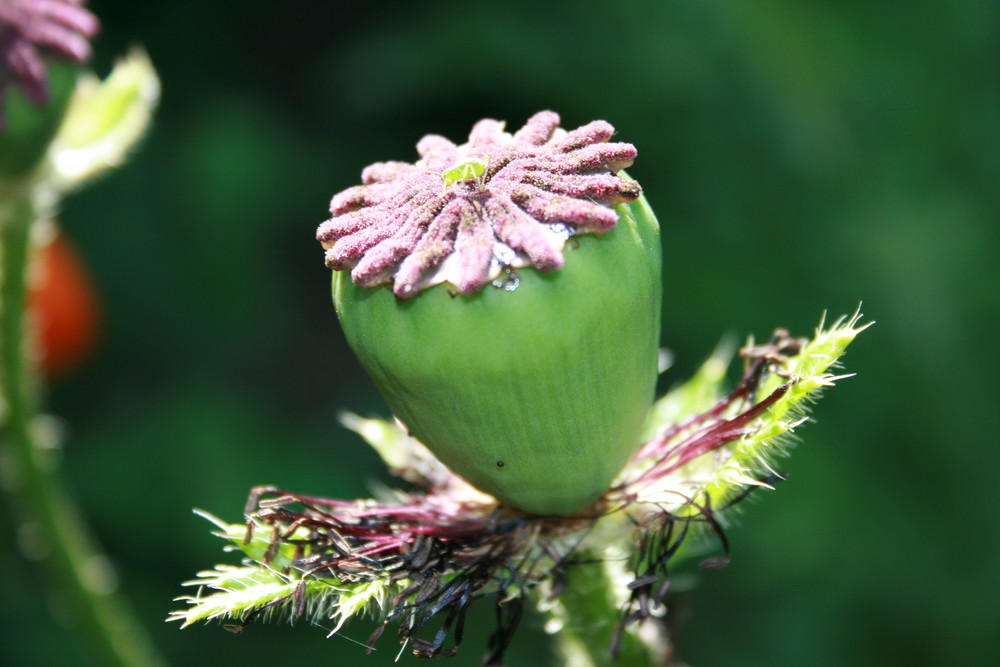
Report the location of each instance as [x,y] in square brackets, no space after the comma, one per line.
[504,295]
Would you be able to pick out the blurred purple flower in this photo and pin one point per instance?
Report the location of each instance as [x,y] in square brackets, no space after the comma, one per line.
[29,28]
[463,213]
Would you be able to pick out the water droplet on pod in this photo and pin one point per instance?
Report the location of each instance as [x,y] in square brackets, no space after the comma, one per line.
[508,280]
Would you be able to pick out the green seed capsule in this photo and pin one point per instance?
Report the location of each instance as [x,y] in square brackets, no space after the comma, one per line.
[536,394]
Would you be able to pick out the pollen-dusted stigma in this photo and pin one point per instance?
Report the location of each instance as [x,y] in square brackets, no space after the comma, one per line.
[464,213]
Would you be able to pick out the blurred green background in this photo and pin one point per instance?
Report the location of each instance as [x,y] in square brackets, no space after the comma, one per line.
[801,157]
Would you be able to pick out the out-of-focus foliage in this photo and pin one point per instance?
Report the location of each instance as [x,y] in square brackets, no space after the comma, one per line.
[800,156]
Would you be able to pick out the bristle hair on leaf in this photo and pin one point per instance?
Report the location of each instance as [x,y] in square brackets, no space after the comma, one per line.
[724,448]
[259,591]
[251,593]
[754,454]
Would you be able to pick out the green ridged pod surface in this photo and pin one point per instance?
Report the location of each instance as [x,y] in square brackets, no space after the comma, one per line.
[537,394]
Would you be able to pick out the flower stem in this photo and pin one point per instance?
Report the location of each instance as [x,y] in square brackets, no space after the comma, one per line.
[589,609]
[74,563]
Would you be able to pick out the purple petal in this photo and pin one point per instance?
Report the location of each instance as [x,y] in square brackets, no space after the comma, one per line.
[584,215]
[437,152]
[474,250]
[350,247]
[436,244]
[485,133]
[359,196]
[538,130]
[598,157]
[380,172]
[70,14]
[605,188]
[611,157]
[591,133]
[522,232]
[378,262]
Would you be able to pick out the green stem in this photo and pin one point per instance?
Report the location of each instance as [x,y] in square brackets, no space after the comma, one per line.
[70,553]
[589,610]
